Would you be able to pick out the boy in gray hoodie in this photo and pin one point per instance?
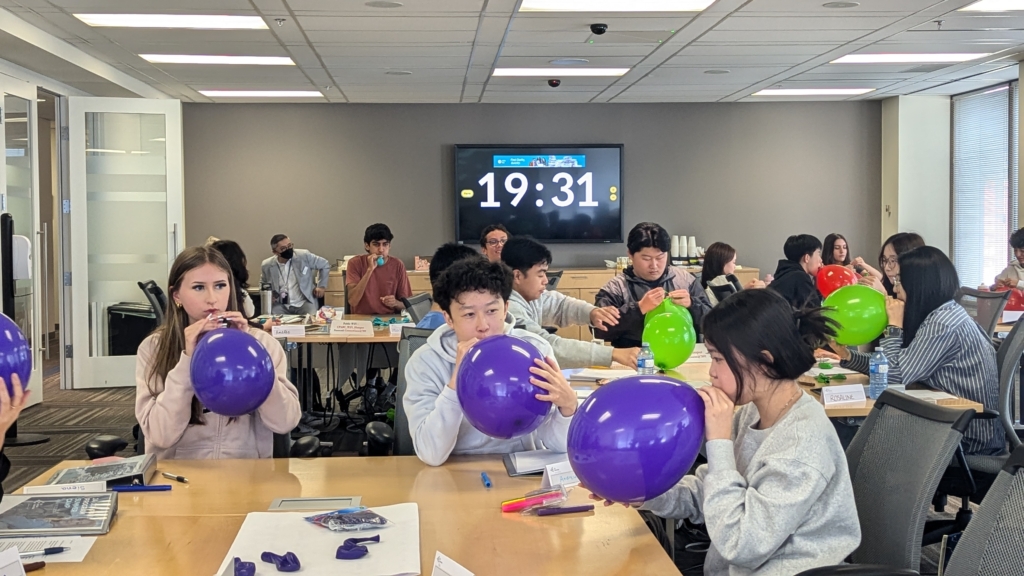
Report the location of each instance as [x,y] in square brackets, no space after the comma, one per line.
[536,306]
[473,295]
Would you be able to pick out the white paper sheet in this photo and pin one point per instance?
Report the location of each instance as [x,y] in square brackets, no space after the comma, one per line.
[595,374]
[929,395]
[10,563]
[1010,316]
[80,546]
[700,355]
[536,460]
[835,369]
[398,552]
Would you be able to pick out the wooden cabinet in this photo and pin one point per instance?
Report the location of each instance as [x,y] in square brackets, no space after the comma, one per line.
[419,282]
[569,331]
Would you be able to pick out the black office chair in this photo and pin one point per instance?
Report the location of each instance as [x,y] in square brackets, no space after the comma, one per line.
[157,299]
[553,279]
[724,291]
[418,306]
[106,445]
[380,437]
[985,307]
[896,460]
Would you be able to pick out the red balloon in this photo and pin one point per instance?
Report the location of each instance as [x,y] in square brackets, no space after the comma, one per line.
[833,277]
[1016,301]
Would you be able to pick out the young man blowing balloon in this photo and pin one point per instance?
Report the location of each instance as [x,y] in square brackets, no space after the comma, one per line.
[473,295]
[174,422]
[776,494]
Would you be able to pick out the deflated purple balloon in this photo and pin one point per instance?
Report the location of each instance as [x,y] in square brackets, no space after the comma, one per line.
[634,438]
[232,373]
[15,354]
[494,387]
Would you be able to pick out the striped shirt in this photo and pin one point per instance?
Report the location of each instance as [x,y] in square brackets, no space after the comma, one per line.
[952,354]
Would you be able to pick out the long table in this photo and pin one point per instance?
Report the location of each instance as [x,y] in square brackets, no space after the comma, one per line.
[189,529]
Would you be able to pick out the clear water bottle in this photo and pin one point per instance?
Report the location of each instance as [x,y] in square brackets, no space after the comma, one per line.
[645,361]
[879,374]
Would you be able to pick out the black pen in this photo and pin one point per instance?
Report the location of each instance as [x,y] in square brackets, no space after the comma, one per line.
[174,477]
[45,552]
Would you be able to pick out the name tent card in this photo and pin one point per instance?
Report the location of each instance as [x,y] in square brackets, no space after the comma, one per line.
[848,394]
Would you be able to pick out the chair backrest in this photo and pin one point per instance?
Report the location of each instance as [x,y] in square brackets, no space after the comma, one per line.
[418,305]
[896,461]
[1008,361]
[991,545]
[722,292]
[412,338]
[553,279]
[157,299]
[985,307]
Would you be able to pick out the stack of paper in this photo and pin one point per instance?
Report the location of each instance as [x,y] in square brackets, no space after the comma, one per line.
[835,370]
[536,460]
[398,552]
[932,396]
[595,374]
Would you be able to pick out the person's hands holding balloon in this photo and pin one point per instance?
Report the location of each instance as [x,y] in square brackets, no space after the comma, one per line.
[680,297]
[10,408]
[460,353]
[651,300]
[872,282]
[195,331]
[602,318]
[841,351]
[718,411]
[607,503]
[754,283]
[547,375]
[894,308]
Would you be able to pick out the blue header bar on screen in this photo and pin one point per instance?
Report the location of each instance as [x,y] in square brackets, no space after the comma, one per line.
[540,161]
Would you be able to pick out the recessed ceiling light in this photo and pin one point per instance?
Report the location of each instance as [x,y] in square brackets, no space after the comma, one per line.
[841,4]
[19,139]
[399,72]
[384,4]
[201,22]
[104,151]
[716,71]
[40,99]
[197,59]
[261,93]
[614,5]
[568,61]
[161,139]
[813,92]
[11,120]
[555,72]
[906,58]
[995,6]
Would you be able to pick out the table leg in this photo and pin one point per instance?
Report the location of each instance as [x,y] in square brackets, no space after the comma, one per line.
[300,376]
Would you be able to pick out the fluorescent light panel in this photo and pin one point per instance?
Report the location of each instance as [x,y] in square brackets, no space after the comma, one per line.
[560,72]
[813,92]
[261,93]
[614,5]
[995,6]
[195,59]
[196,21]
[906,58]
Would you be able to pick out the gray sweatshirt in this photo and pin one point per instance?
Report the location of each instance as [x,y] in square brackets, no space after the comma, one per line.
[557,309]
[435,416]
[775,502]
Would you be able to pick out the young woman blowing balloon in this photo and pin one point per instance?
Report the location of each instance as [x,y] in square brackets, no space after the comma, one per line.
[174,422]
[776,493]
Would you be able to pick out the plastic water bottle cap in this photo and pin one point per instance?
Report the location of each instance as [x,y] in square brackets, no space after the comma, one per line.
[645,345]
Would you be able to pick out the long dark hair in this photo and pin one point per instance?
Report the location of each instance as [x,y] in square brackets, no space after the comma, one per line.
[715,258]
[749,323]
[828,250]
[901,242]
[235,256]
[929,280]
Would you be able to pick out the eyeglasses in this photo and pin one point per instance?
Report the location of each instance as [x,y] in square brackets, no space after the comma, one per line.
[496,242]
[288,247]
[890,261]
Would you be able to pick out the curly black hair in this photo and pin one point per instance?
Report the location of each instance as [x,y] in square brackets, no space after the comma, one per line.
[472,275]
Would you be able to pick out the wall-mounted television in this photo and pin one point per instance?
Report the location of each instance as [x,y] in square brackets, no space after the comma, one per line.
[553,193]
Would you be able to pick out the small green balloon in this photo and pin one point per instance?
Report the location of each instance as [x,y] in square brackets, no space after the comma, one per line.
[671,337]
[860,312]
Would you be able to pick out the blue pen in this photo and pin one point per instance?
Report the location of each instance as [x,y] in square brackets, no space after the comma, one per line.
[486,479]
[135,488]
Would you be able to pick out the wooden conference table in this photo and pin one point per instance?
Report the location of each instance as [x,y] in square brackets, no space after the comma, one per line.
[189,529]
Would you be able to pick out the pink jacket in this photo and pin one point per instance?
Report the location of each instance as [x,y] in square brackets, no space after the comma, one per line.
[164,417]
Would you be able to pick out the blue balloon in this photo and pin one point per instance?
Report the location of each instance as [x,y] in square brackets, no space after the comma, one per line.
[15,354]
[494,388]
[634,438]
[232,373]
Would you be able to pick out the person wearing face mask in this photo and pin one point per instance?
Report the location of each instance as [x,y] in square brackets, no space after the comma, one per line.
[377,282]
[290,273]
[645,284]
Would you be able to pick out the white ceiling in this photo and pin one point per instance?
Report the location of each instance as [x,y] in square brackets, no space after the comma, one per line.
[344,48]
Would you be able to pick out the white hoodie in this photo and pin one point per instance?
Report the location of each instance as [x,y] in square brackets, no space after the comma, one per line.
[436,419]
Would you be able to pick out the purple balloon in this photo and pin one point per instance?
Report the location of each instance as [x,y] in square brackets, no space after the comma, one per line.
[494,387]
[634,438]
[232,373]
[15,354]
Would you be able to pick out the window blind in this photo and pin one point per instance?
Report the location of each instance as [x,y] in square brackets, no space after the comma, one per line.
[984,181]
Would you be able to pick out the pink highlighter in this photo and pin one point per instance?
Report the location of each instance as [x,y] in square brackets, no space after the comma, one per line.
[535,499]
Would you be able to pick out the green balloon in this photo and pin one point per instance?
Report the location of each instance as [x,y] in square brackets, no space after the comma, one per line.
[860,312]
[667,306]
[671,338]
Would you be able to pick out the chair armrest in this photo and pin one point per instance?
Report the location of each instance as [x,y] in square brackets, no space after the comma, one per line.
[858,570]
